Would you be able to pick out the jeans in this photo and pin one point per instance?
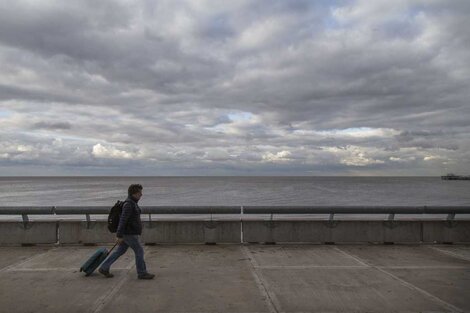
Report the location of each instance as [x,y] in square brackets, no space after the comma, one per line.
[128,241]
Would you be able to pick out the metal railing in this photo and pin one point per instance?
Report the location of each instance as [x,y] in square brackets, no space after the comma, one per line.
[256,209]
[451,211]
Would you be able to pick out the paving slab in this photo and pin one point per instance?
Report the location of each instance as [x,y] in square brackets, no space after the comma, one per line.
[70,258]
[344,290]
[192,279]
[450,285]
[12,255]
[51,291]
[194,255]
[402,255]
[299,255]
[49,280]
[241,278]
[462,252]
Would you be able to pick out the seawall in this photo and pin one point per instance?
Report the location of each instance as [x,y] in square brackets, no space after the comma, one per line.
[242,231]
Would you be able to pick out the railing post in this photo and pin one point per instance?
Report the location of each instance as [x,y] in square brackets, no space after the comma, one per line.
[450,221]
[390,222]
[270,223]
[150,220]
[25,220]
[241,224]
[450,216]
[331,222]
[88,221]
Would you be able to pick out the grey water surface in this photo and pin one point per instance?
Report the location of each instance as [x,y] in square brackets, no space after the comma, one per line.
[235,190]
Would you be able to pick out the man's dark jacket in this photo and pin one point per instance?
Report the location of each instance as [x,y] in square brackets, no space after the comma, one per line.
[129,222]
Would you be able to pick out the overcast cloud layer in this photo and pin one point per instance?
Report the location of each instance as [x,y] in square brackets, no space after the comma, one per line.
[234,87]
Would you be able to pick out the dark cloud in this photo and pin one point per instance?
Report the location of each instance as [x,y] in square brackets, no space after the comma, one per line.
[52,125]
[198,87]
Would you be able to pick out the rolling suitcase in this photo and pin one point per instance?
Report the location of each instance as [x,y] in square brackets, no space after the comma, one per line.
[95,260]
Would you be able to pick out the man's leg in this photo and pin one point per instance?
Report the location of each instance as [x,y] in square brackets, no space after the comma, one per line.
[120,250]
[134,243]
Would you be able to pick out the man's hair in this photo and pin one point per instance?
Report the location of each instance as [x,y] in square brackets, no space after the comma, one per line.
[134,188]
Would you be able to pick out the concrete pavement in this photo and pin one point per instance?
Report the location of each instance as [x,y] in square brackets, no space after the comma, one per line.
[241,278]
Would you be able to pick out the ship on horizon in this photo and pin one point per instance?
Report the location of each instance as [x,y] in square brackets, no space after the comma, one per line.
[451,176]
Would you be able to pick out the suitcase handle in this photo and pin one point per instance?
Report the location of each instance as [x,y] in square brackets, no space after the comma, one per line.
[112,248]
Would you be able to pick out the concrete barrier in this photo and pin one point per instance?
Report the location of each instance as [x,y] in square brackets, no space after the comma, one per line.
[155,232]
[446,231]
[191,232]
[13,232]
[338,231]
[229,231]
[92,232]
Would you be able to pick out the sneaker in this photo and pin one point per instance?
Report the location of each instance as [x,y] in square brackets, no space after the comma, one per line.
[146,276]
[107,274]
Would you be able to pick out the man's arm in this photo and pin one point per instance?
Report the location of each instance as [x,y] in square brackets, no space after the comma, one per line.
[125,214]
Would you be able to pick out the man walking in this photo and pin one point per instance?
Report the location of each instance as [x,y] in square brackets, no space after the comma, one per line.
[127,235]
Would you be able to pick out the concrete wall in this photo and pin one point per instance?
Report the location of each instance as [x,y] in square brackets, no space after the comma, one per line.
[443,231]
[357,231]
[155,232]
[177,231]
[335,232]
[191,232]
[12,232]
[81,232]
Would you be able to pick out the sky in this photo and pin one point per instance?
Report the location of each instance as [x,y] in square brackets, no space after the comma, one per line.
[293,87]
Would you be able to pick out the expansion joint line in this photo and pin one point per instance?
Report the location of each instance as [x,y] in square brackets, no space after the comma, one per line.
[270,298]
[450,253]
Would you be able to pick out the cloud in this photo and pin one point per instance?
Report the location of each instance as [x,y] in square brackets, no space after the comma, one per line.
[52,125]
[196,87]
[101,151]
[280,156]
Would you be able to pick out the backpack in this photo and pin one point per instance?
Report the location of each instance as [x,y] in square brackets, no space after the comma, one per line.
[114,216]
